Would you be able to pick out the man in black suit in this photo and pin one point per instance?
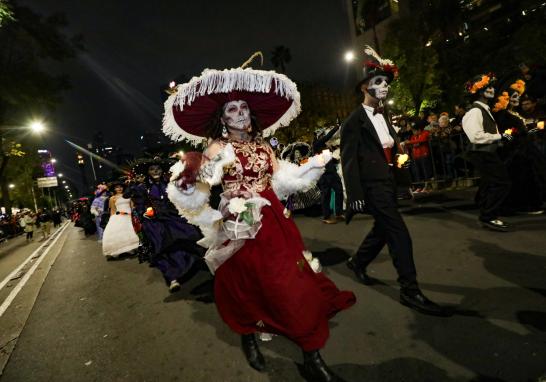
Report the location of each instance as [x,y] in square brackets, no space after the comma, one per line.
[369,155]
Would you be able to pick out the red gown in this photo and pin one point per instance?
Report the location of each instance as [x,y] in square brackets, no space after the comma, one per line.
[267,285]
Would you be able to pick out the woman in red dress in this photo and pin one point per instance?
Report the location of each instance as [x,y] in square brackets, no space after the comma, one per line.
[265,280]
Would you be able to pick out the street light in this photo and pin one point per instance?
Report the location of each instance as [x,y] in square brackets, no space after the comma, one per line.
[64,181]
[390,102]
[37,127]
[53,160]
[60,175]
[349,56]
[66,187]
[11,185]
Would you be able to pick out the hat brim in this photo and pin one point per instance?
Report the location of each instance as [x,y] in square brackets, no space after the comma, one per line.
[288,152]
[272,98]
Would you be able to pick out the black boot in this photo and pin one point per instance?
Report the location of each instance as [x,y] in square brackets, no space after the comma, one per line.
[252,352]
[316,370]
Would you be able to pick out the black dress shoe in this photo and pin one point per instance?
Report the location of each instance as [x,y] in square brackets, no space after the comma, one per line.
[495,225]
[316,370]
[252,352]
[360,273]
[418,302]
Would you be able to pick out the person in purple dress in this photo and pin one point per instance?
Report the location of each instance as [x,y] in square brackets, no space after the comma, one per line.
[170,239]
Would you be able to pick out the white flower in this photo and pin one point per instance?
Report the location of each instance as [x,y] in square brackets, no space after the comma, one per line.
[237,205]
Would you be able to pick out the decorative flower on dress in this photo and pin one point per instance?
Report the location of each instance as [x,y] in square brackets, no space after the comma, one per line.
[242,208]
[237,205]
[502,103]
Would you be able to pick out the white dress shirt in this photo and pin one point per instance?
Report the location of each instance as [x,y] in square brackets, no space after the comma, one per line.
[380,126]
[473,126]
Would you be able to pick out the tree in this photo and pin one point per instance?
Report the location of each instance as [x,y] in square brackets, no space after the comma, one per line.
[280,57]
[28,42]
[5,12]
[407,44]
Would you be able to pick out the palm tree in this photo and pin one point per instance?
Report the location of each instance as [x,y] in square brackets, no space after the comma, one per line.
[280,57]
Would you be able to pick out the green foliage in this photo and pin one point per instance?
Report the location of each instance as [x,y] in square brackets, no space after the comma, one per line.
[28,43]
[406,46]
[5,13]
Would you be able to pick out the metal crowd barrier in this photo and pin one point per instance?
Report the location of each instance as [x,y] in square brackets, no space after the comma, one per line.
[447,162]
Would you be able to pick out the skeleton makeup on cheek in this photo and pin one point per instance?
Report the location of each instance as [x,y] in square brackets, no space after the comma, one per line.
[489,93]
[236,115]
[378,87]
[155,171]
[514,99]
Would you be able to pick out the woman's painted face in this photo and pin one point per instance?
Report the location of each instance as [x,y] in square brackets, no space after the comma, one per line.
[155,171]
[118,189]
[236,115]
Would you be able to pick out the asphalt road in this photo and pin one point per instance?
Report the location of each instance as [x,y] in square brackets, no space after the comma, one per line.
[95,320]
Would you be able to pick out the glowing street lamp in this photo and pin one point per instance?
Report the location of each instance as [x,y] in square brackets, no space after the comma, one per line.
[349,56]
[11,185]
[53,160]
[390,102]
[60,175]
[37,127]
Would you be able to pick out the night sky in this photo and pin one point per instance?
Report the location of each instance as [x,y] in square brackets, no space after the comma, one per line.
[135,47]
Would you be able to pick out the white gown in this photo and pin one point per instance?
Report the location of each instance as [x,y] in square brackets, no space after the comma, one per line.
[119,235]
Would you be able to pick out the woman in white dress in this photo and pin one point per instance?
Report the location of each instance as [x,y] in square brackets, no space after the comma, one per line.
[119,235]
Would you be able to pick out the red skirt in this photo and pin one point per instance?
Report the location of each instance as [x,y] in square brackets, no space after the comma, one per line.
[268,286]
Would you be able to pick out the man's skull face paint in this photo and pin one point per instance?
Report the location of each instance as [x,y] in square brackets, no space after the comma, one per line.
[236,115]
[378,87]
[155,171]
[489,93]
[514,99]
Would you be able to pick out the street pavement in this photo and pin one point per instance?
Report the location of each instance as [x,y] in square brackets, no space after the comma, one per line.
[95,320]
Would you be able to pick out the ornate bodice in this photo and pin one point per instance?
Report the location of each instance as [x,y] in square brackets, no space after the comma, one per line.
[252,170]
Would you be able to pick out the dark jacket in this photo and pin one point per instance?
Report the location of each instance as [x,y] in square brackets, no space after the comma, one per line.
[362,156]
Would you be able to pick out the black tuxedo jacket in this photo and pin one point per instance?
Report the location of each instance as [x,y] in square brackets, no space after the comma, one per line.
[362,156]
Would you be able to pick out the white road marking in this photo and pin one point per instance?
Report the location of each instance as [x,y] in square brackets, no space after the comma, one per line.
[7,302]
[16,271]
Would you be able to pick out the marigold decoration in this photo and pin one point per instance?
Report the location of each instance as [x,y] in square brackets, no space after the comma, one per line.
[518,86]
[502,103]
[474,87]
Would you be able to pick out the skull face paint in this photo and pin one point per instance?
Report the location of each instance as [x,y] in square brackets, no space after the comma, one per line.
[378,87]
[155,171]
[236,115]
[489,92]
[514,99]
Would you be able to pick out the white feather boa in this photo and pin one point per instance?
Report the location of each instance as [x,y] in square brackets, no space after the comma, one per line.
[193,205]
[291,178]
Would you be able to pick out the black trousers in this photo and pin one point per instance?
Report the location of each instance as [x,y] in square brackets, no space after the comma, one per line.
[494,183]
[389,228]
[327,183]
